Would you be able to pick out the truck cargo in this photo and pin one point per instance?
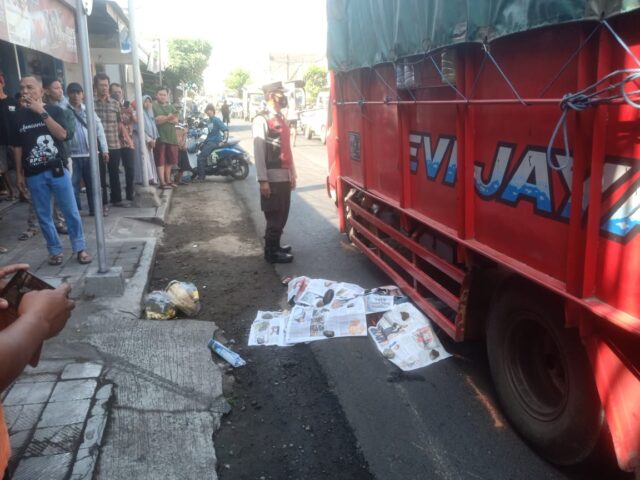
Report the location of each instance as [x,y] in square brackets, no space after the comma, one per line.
[486,155]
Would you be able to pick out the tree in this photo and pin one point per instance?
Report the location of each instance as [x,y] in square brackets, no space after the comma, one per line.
[237,79]
[187,60]
[315,79]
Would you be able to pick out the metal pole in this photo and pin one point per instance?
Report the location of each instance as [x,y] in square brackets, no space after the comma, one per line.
[138,90]
[85,61]
[160,61]
[15,52]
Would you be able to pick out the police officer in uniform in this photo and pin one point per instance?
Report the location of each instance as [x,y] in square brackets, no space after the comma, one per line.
[275,169]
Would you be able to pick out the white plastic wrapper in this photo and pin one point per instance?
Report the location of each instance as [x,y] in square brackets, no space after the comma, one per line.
[185,296]
[158,306]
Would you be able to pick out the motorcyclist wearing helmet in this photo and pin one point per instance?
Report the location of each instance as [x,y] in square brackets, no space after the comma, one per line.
[215,126]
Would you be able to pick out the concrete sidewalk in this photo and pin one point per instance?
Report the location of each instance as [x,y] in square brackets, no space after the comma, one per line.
[113,397]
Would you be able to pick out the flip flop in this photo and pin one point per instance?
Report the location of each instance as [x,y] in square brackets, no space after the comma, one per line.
[84,258]
[26,235]
[56,259]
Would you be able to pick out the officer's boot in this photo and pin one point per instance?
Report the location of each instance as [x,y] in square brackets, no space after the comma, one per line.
[284,248]
[273,255]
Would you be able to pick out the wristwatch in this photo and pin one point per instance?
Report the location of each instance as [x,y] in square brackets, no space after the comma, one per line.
[44,115]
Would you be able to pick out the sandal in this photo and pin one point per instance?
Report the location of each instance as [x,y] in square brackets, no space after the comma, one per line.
[3,250]
[56,259]
[27,234]
[84,258]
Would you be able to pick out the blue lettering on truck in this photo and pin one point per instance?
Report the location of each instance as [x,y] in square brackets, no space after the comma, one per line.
[510,179]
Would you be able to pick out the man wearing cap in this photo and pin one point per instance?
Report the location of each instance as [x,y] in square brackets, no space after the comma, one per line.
[79,147]
[275,169]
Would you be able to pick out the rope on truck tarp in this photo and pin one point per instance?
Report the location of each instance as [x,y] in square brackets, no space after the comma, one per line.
[569,61]
[385,83]
[504,76]
[594,95]
[621,42]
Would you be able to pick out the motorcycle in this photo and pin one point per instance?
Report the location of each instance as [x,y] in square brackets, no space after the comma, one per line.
[195,128]
[228,159]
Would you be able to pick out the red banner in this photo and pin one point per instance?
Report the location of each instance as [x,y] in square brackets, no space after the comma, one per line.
[44,25]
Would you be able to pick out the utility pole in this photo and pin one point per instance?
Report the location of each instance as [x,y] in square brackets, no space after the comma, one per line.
[159,58]
[85,61]
[145,196]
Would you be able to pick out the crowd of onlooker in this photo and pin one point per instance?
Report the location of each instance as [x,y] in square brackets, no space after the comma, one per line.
[45,154]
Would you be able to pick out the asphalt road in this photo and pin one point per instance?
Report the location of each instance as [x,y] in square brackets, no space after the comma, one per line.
[440,422]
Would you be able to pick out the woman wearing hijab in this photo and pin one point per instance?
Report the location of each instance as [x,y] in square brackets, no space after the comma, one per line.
[150,135]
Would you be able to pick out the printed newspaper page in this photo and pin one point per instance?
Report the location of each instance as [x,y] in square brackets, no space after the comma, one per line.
[341,318]
[269,329]
[405,336]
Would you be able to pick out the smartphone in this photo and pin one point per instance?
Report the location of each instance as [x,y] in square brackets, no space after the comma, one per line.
[20,284]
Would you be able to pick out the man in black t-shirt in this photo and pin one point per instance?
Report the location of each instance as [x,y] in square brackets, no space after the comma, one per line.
[7,107]
[38,133]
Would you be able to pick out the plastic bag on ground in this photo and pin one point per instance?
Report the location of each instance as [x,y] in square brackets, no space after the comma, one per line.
[185,296]
[158,306]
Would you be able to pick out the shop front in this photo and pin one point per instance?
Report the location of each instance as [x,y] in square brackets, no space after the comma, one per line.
[37,37]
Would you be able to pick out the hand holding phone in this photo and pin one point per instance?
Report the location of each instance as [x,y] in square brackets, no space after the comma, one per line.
[27,294]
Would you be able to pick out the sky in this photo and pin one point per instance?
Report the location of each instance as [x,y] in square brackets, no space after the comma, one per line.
[241,32]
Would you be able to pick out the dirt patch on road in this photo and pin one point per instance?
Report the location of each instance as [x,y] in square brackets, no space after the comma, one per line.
[286,423]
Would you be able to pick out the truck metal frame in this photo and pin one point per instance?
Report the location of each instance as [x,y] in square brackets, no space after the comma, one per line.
[460,189]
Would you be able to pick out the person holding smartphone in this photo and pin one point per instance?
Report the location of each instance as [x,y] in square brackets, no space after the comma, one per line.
[38,135]
[41,315]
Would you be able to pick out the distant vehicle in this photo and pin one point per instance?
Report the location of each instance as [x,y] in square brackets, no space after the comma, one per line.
[315,120]
[252,102]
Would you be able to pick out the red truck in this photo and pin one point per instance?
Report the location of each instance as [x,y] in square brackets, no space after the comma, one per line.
[486,155]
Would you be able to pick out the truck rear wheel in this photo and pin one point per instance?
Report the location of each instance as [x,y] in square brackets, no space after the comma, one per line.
[543,377]
[308,134]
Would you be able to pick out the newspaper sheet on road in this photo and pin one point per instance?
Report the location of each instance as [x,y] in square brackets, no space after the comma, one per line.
[268,328]
[325,309]
[341,318]
[405,337]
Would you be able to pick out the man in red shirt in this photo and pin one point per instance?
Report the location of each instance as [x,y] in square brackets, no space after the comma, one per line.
[275,170]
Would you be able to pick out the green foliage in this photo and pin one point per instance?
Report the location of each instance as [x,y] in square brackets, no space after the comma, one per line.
[315,79]
[237,79]
[187,60]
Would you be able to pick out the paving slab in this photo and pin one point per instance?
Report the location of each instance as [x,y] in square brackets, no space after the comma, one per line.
[22,417]
[54,440]
[64,413]
[52,467]
[82,370]
[27,393]
[73,390]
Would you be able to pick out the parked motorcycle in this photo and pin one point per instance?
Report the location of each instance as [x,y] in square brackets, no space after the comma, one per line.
[229,159]
[196,127]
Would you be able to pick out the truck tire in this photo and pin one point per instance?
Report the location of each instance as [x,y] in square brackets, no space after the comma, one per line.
[543,378]
[308,134]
